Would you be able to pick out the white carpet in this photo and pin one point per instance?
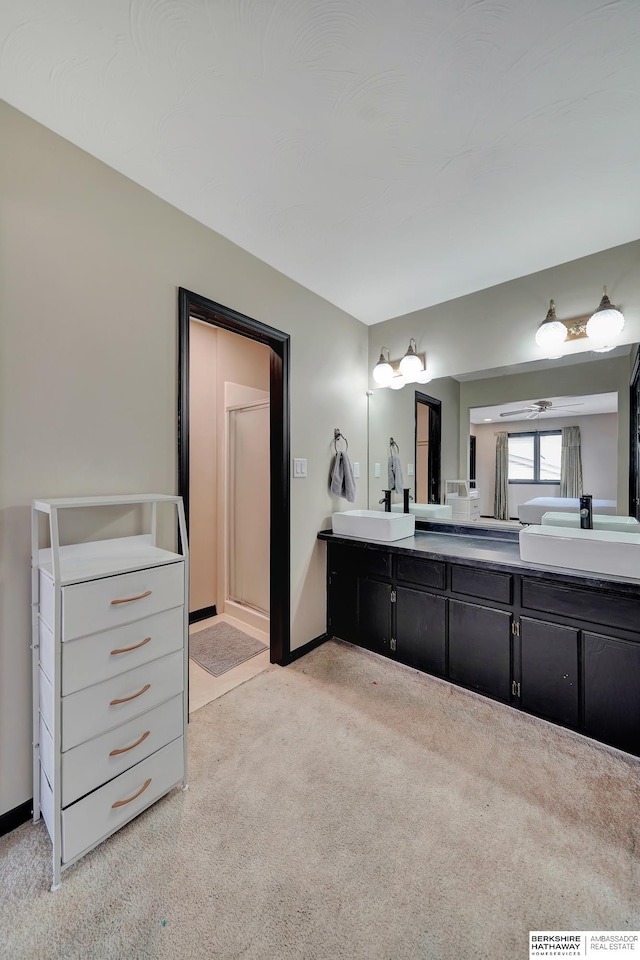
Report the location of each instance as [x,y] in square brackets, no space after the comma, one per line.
[347,808]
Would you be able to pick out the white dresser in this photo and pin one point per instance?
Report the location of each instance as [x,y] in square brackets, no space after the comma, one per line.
[110,667]
[463,499]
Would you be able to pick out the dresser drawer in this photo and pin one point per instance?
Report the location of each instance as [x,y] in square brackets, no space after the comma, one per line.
[93,818]
[93,763]
[95,710]
[111,601]
[100,656]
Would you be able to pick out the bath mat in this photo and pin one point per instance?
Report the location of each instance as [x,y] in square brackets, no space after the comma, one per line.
[221,647]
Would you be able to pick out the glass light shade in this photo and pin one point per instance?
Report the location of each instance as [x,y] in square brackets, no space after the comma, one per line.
[424,376]
[551,333]
[411,364]
[398,382]
[605,325]
[383,373]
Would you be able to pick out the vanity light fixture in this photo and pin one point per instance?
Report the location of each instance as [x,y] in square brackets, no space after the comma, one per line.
[383,371]
[397,373]
[605,326]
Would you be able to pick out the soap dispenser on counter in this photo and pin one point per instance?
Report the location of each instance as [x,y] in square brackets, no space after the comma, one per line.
[586,512]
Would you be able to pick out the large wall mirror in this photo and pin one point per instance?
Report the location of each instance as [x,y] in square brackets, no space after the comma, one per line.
[590,390]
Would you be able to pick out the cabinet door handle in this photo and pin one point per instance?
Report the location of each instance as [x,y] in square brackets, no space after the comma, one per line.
[140,596]
[114,703]
[121,803]
[128,649]
[116,753]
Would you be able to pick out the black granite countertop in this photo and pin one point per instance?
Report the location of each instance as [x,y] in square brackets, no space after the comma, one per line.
[491,553]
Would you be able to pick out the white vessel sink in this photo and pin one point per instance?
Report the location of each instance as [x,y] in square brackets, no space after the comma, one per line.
[600,522]
[433,511]
[374,524]
[599,551]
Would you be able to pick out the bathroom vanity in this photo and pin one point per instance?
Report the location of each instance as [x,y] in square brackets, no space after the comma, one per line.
[556,643]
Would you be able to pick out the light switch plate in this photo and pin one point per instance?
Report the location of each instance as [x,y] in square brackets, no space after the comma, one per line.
[299,467]
[356,469]
[409,469]
[376,469]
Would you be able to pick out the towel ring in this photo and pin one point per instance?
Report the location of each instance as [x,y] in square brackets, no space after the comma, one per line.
[393,446]
[339,436]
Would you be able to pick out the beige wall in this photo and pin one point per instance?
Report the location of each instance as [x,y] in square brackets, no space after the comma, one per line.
[90,268]
[216,356]
[599,436]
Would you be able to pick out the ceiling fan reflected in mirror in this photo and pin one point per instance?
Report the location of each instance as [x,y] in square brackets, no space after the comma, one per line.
[540,406]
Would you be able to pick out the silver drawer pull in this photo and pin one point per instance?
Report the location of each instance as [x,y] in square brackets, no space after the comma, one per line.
[128,649]
[116,753]
[121,803]
[114,703]
[140,596]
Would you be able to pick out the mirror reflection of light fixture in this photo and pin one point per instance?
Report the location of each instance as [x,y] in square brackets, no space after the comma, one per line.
[411,364]
[605,325]
[551,332]
[397,382]
[383,371]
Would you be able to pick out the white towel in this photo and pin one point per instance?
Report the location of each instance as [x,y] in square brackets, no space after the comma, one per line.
[396,480]
[343,483]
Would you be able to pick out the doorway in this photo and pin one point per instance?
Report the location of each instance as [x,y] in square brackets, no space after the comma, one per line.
[246,588]
[428,440]
[194,307]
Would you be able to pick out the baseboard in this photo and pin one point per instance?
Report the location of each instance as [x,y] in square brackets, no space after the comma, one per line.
[306,648]
[247,615]
[14,818]
[203,614]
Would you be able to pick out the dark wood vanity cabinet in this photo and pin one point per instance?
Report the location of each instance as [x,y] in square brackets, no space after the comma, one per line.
[612,691]
[374,615]
[567,653]
[480,648]
[421,630]
[550,679]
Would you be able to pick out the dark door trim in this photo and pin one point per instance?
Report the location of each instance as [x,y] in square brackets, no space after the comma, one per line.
[472,459]
[634,437]
[435,444]
[193,305]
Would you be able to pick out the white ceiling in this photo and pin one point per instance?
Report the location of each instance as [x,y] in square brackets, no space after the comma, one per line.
[578,406]
[387,155]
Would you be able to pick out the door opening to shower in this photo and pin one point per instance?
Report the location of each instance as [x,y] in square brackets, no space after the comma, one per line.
[247,509]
